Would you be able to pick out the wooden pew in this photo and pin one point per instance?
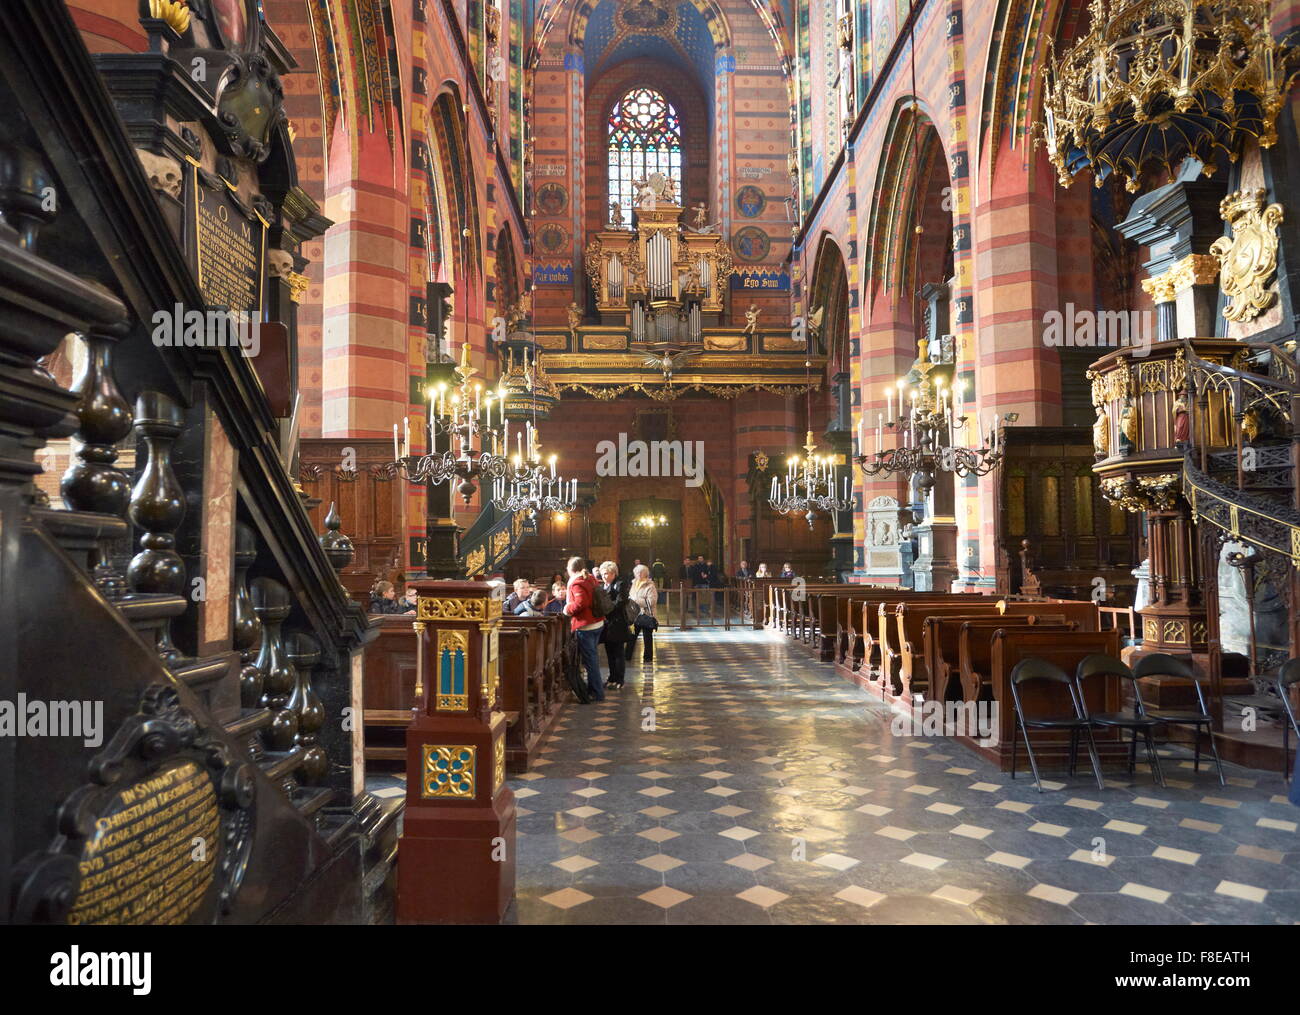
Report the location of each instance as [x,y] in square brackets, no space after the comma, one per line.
[532,654]
[941,636]
[1065,649]
[805,610]
[866,658]
[902,636]
[975,653]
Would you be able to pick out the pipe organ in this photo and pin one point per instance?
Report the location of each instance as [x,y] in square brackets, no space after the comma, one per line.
[658,265]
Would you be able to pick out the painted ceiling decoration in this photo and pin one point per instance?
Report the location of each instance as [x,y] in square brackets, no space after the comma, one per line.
[356,56]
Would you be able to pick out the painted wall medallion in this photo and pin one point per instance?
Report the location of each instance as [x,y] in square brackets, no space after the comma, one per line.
[552,238]
[552,199]
[751,244]
[750,201]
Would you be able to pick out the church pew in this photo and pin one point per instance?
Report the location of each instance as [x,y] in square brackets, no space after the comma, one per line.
[807,610]
[531,657]
[902,630]
[1064,649]
[902,634]
[941,637]
[865,636]
[832,612]
[970,677]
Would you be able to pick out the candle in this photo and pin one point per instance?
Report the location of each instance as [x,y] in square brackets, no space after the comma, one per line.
[397,451]
[406,434]
[879,440]
[552,466]
[861,436]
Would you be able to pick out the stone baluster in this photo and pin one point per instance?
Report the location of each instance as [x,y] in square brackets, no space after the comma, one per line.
[247,625]
[158,507]
[304,652]
[93,482]
[271,604]
[337,546]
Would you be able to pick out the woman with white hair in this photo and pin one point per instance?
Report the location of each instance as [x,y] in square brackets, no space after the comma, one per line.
[617,632]
[644,594]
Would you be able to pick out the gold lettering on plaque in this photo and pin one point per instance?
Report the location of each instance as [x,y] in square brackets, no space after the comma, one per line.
[153,851]
[229,254]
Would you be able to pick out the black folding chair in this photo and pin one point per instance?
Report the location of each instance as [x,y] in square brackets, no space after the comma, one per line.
[1287,677]
[1138,722]
[1040,669]
[1160,664]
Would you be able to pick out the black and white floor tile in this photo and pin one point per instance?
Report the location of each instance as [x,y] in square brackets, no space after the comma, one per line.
[736,780]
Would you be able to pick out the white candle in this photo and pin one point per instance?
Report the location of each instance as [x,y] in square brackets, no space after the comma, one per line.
[879,439]
[397,451]
[406,434]
[862,436]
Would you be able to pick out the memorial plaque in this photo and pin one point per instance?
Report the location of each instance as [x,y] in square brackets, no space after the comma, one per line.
[227,246]
[161,833]
[152,856]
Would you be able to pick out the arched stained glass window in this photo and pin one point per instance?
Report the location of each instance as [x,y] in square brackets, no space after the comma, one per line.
[645,137]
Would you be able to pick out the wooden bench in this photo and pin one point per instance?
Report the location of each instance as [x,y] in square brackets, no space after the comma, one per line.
[862,639]
[1064,649]
[532,653]
[941,655]
[903,638]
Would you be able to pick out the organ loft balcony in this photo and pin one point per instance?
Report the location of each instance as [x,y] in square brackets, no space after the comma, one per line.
[660,291]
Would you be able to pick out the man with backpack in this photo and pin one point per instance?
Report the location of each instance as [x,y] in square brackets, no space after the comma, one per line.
[586,613]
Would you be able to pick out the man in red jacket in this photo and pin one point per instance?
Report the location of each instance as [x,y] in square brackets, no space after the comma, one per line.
[584,624]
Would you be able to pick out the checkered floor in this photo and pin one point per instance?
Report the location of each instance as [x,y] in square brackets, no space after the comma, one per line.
[738,781]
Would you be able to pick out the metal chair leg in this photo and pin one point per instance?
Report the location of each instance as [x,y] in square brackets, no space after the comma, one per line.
[1196,748]
[1152,756]
[1096,761]
[1209,729]
[1132,752]
[1074,751]
[1033,762]
[1015,736]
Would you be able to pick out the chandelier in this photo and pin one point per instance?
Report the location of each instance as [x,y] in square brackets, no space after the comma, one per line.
[925,419]
[1160,80]
[478,435]
[808,485]
[527,486]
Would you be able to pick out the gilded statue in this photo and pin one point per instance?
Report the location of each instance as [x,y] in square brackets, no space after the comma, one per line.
[1247,259]
[575,317]
[751,318]
[1101,433]
[1250,424]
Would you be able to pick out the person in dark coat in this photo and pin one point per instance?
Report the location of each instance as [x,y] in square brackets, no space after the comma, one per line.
[617,631]
[383,599]
[743,571]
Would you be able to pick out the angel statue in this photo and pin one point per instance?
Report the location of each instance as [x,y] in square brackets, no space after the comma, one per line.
[575,317]
[645,194]
[751,318]
[670,190]
[701,216]
[668,362]
[615,214]
[815,321]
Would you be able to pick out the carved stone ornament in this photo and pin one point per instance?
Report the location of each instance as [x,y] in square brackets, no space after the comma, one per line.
[164,173]
[1146,493]
[160,833]
[1248,259]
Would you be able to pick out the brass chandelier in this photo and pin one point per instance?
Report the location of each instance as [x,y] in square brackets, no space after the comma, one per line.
[1160,80]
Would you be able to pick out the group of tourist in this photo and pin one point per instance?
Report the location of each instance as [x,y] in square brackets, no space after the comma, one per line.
[603,607]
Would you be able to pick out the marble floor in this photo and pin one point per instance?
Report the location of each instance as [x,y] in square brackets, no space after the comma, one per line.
[736,780]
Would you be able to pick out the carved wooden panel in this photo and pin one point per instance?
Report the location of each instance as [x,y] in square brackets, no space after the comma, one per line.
[356,475]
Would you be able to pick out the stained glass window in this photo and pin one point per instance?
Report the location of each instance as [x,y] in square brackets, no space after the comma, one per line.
[645,137]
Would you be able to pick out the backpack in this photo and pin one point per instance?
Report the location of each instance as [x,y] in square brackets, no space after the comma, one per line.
[602,605]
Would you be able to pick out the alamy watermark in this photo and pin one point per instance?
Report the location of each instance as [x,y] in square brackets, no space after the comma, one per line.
[207,329]
[651,458]
[35,717]
[1094,329]
[975,719]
